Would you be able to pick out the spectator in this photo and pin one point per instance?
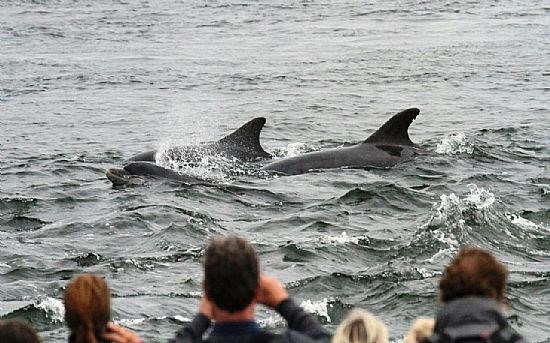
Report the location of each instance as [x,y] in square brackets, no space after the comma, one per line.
[232,287]
[361,326]
[88,311]
[17,332]
[472,290]
[421,329]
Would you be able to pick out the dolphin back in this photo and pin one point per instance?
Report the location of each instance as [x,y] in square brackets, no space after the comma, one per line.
[395,130]
[244,142]
[145,156]
[150,169]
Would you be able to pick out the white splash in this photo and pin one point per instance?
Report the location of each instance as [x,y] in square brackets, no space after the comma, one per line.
[182,319]
[54,308]
[479,197]
[292,149]
[526,223]
[4,267]
[193,161]
[449,205]
[131,322]
[456,143]
[449,215]
[442,254]
[343,238]
[426,274]
[319,308]
[139,321]
[272,322]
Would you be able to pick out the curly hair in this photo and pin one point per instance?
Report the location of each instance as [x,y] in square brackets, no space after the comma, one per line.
[231,273]
[473,272]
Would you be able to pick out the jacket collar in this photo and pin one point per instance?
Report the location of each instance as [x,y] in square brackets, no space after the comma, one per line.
[469,311]
[235,328]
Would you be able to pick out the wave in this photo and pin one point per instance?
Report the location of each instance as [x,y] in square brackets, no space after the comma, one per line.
[137,322]
[155,262]
[43,313]
[478,218]
[23,223]
[17,204]
[383,195]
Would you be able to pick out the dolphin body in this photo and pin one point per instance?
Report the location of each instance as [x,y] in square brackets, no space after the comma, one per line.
[134,173]
[389,145]
[243,144]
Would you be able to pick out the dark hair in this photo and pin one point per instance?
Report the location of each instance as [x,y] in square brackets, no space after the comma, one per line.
[13,331]
[231,273]
[473,272]
[87,308]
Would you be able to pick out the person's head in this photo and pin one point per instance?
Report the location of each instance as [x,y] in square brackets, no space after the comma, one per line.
[473,272]
[87,308]
[420,330]
[17,332]
[360,326]
[231,273]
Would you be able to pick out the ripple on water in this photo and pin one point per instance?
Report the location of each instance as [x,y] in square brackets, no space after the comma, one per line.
[325,75]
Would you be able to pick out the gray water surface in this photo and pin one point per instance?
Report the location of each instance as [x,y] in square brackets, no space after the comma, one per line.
[85,85]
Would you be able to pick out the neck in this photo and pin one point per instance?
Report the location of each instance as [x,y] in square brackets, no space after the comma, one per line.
[220,315]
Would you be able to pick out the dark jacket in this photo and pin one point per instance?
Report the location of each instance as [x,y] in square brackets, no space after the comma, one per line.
[472,319]
[302,327]
[72,339]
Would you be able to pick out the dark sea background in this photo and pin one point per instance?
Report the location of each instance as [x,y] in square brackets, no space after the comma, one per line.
[84,85]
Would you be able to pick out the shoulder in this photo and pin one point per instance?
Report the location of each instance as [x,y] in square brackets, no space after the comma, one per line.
[296,336]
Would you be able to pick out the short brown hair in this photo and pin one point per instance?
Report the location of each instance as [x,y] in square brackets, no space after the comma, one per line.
[473,272]
[87,308]
[231,273]
[13,331]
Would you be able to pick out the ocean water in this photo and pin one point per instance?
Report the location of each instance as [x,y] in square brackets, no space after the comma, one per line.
[85,85]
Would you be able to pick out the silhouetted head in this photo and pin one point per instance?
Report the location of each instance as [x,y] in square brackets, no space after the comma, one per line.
[473,272]
[17,332]
[231,273]
[360,326]
[87,308]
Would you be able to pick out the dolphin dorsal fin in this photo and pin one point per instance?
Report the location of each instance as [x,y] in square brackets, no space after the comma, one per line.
[394,131]
[246,138]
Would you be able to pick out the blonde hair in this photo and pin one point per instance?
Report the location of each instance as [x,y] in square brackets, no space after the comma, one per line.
[361,326]
[421,329]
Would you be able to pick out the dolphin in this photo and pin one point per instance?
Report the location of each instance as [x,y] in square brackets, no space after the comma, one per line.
[389,145]
[243,144]
[135,172]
